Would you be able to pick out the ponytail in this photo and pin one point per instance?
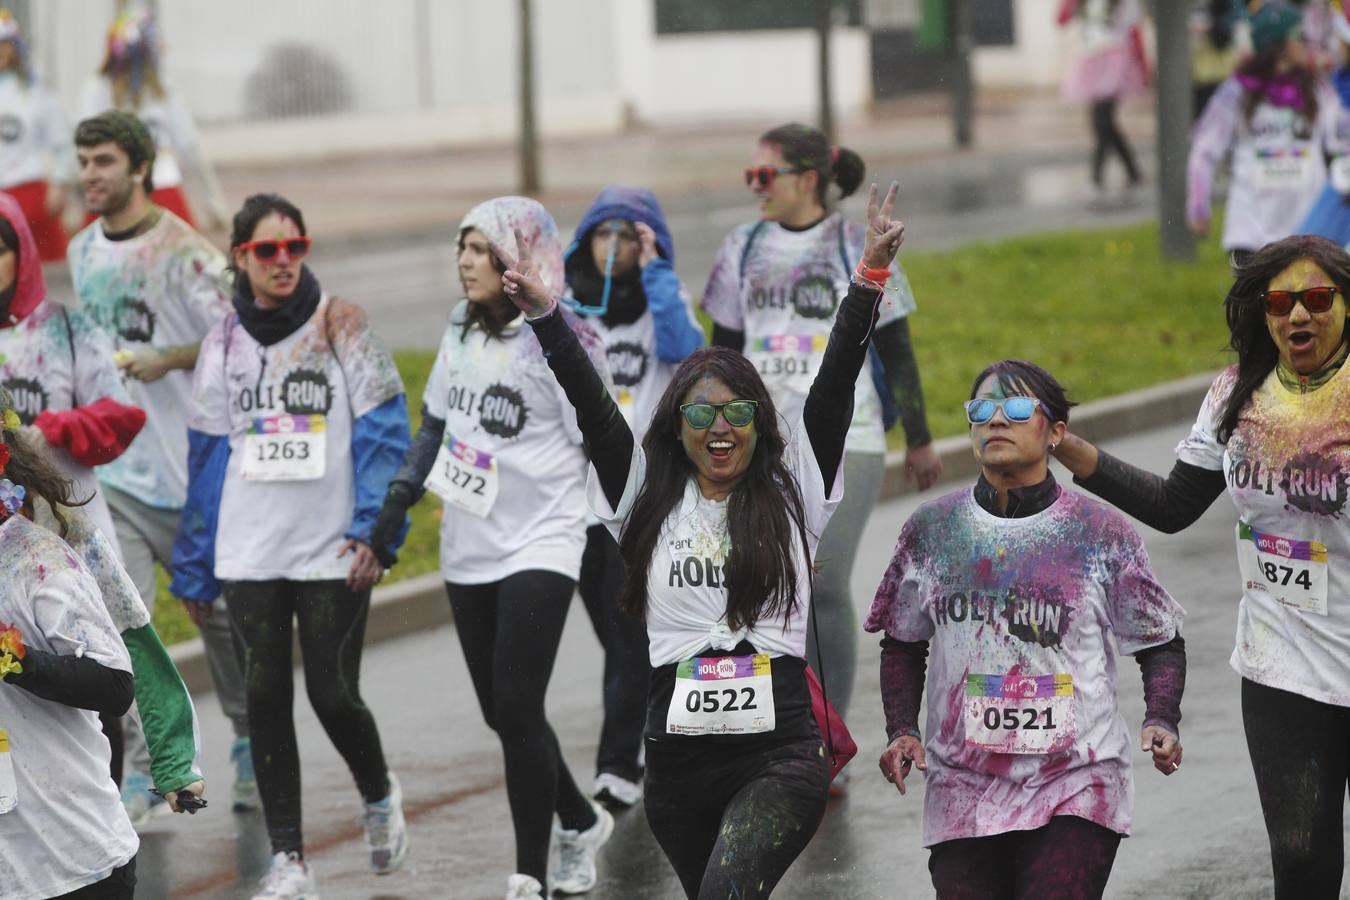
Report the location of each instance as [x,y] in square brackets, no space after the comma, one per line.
[807,149]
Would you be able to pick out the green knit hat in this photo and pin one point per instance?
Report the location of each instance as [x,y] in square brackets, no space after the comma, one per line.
[1275,21]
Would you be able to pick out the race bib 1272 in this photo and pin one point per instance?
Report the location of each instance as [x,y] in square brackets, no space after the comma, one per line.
[464,477]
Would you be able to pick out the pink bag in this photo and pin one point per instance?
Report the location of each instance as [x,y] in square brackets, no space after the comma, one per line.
[839,743]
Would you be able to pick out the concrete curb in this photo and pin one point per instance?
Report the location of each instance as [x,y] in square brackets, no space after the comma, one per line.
[420,603]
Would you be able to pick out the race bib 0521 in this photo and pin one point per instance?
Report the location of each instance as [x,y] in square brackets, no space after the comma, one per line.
[1019,713]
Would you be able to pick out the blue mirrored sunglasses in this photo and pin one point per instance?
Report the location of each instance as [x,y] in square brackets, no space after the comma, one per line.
[1015,409]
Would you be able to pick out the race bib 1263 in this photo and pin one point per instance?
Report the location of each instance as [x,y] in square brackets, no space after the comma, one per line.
[1287,570]
[9,790]
[722,695]
[285,448]
[1019,713]
[464,477]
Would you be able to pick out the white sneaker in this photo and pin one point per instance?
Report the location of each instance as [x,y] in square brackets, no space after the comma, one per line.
[576,853]
[523,887]
[612,790]
[386,831]
[290,878]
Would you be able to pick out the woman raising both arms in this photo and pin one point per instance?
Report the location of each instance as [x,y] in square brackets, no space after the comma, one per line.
[718,513]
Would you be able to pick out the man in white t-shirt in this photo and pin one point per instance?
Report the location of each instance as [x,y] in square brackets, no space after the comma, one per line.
[156,287]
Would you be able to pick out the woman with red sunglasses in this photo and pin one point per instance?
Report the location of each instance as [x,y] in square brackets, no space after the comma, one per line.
[773,294]
[298,424]
[1273,432]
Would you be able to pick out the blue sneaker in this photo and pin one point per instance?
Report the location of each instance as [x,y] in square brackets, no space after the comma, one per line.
[137,800]
[386,831]
[245,794]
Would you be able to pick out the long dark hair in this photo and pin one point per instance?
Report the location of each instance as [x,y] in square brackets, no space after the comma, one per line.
[255,209]
[1263,65]
[1246,312]
[765,514]
[30,467]
[807,148]
[491,317]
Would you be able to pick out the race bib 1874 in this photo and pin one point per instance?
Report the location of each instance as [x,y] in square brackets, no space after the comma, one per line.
[464,477]
[1019,713]
[285,448]
[1286,570]
[722,695]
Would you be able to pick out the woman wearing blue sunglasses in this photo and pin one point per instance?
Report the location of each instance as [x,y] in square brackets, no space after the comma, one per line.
[718,514]
[1014,586]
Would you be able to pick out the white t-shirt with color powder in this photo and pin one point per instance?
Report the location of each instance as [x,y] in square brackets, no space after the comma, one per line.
[164,288]
[503,407]
[786,303]
[686,596]
[69,829]
[35,140]
[1288,471]
[55,359]
[1021,614]
[310,386]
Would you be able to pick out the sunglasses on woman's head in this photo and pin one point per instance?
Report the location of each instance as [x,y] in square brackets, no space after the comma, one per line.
[738,413]
[295,247]
[1015,409]
[764,175]
[1314,300]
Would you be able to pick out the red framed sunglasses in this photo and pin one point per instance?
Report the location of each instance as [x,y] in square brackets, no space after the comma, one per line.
[764,175]
[1314,300]
[295,247]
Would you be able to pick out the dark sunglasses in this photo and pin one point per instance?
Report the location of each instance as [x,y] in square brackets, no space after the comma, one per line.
[295,247]
[764,175]
[1314,300]
[738,413]
[1015,409]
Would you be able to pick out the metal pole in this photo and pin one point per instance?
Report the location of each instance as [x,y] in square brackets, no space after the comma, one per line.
[824,10]
[1174,128]
[425,86]
[529,141]
[963,83]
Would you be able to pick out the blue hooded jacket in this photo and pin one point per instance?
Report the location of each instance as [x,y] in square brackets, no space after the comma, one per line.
[676,335]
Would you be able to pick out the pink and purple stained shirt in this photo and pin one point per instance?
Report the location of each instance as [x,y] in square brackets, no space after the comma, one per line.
[1021,615]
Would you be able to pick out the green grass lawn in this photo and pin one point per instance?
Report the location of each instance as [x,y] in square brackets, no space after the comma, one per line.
[1099,309]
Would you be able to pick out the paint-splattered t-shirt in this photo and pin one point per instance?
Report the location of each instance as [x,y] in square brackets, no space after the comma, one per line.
[503,408]
[1288,471]
[783,295]
[312,384]
[164,288]
[1020,615]
[55,359]
[69,829]
[686,584]
[32,129]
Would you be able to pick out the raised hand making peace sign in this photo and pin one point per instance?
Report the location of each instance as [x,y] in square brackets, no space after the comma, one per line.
[884,234]
[521,281]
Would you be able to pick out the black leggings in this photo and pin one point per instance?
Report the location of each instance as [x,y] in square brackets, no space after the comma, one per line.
[627,669]
[1066,859]
[1109,138]
[509,631]
[732,821]
[1300,750]
[332,621]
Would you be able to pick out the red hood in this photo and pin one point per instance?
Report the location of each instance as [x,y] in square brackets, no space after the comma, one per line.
[31,288]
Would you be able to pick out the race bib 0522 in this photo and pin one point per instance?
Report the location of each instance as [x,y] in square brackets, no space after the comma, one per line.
[722,695]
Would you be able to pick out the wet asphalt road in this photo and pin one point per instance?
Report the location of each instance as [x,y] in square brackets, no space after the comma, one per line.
[1196,834]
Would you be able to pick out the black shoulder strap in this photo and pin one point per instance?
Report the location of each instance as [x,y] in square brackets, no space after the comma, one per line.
[70,342]
[749,245]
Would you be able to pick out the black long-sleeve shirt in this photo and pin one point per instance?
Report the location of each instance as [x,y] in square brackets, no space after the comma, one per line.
[77,681]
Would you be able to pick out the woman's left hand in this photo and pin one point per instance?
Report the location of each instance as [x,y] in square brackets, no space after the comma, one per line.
[521,280]
[1165,745]
[923,466]
[884,234]
[366,570]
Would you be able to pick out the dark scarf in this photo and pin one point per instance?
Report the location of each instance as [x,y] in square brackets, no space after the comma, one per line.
[6,298]
[268,326]
[627,299]
[1022,502]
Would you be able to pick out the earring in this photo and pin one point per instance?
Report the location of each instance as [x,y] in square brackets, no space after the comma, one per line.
[1053,445]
